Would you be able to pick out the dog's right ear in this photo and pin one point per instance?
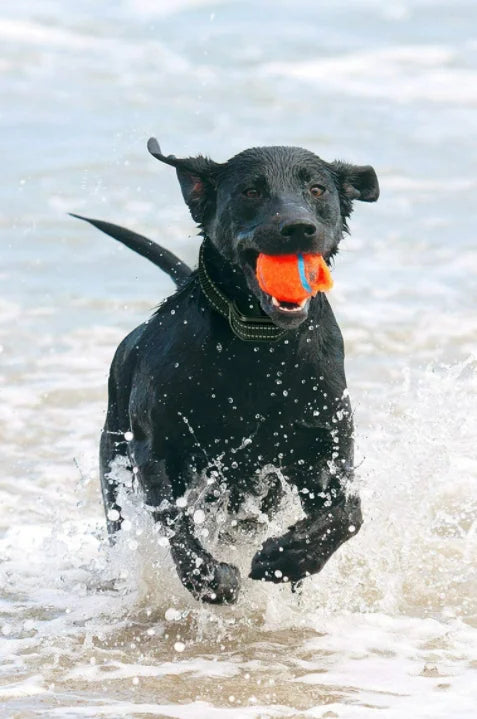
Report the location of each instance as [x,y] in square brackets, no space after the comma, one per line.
[197,178]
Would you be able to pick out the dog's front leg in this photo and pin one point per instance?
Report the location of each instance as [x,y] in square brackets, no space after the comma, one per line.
[309,543]
[333,514]
[205,578]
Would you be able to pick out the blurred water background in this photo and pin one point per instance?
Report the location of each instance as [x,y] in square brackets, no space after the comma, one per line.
[389,628]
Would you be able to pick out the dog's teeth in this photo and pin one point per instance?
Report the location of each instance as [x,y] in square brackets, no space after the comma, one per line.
[299,305]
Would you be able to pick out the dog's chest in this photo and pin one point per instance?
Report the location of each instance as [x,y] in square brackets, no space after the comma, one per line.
[268,377]
[252,403]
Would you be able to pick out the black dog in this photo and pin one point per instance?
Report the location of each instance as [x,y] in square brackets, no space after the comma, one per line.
[225,380]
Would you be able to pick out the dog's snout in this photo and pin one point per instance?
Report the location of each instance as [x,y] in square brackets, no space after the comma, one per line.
[298,229]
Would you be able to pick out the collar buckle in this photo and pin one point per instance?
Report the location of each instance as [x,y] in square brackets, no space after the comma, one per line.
[253,329]
[238,316]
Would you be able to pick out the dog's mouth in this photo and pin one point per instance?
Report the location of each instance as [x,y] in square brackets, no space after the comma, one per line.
[288,306]
[283,313]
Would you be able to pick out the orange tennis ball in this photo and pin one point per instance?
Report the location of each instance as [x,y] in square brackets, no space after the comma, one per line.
[293,278]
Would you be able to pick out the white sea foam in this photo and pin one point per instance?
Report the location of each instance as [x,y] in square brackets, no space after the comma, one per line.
[399,74]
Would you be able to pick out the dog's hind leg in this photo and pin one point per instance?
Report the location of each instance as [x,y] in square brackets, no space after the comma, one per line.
[114,461]
[275,493]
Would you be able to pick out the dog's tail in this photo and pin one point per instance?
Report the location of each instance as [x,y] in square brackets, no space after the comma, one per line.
[166,260]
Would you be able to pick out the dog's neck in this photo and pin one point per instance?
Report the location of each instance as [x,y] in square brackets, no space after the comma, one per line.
[229,280]
[227,292]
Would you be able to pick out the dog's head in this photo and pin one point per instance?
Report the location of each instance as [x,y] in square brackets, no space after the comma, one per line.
[275,200]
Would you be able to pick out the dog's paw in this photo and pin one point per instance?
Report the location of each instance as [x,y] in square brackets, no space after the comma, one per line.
[224,587]
[280,560]
[205,578]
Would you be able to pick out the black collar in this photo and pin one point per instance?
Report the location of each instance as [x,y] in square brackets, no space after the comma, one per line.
[258,328]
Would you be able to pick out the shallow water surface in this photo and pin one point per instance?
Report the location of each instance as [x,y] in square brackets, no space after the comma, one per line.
[389,627]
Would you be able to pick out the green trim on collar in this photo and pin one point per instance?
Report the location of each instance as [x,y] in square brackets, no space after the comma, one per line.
[247,329]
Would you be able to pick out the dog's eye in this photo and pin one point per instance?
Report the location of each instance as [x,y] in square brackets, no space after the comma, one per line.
[252,193]
[317,190]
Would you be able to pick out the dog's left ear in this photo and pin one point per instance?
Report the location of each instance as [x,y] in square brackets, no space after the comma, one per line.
[197,178]
[356,182]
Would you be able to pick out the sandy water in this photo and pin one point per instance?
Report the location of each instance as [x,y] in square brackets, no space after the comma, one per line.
[389,627]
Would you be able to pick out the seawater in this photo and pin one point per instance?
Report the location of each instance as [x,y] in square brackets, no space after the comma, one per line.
[389,627]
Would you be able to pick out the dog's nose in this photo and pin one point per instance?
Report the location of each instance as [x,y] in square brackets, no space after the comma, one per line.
[298,229]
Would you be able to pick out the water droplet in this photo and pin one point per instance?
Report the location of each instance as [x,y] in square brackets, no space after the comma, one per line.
[179,646]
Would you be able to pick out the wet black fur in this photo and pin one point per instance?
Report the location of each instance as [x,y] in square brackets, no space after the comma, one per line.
[190,391]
